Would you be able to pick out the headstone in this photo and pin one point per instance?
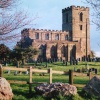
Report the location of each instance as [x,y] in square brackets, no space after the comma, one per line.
[26,72]
[51,60]
[15,73]
[73,62]
[92,69]
[78,70]
[63,61]
[8,71]
[66,63]
[70,62]
[76,62]
[96,71]
[74,69]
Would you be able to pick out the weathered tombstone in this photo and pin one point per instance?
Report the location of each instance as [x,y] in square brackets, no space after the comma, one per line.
[74,69]
[66,63]
[93,69]
[76,62]
[36,63]
[54,60]
[73,62]
[63,61]
[6,64]
[48,60]
[41,60]
[90,70]
[51,61]
[70,62]
[60,59]
[83,70]
[8,71]
[15,73]
[26,72]
[78,70]
[96,71]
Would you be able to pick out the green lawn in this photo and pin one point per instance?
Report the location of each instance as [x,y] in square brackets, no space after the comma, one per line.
[22,90]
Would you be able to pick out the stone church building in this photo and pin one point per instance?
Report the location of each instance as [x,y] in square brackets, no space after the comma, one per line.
[72,42]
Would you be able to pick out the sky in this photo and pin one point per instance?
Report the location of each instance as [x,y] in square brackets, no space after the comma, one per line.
[48,14]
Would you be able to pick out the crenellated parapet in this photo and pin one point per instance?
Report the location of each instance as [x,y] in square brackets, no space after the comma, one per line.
[41,30]
[75,7]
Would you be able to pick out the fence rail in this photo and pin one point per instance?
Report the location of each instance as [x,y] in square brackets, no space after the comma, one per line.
[50,71]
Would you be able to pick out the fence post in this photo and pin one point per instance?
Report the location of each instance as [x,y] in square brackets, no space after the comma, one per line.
[0,70]
[50,75]
[70,77]
[30,79]
[90,75]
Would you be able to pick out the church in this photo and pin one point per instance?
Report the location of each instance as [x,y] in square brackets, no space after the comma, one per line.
[70,43]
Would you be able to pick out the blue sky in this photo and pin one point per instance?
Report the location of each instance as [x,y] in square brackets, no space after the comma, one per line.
[50,16]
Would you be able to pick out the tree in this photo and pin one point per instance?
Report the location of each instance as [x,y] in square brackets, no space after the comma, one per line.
[95,4]
[10,21]
[4,52]
[22,54]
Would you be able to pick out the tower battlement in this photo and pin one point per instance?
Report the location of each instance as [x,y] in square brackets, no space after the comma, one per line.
[75,7]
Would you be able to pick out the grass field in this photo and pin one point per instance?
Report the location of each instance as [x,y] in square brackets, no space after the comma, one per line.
[21,91]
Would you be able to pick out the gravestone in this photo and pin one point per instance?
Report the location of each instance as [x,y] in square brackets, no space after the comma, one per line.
[96,71]
[76,62]
[70,62]
[15,73]
[26,72]
[66,63]
[8,71]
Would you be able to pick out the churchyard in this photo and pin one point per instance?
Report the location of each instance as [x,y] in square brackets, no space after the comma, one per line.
[20,80]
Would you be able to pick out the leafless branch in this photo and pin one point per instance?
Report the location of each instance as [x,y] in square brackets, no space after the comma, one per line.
[7,3]
[95,4]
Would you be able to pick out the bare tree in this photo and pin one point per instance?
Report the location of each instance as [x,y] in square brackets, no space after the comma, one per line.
[7,3]
[95,4]
[10,21]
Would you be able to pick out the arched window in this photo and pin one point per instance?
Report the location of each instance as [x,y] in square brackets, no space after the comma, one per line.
[57,37]
[81,16]
[46,36]
[36,35]
[66,37]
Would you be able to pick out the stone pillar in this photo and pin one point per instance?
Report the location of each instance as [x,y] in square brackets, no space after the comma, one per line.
[58,51]
[69,49]
[48,52]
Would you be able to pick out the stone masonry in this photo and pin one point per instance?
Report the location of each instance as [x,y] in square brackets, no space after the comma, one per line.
[73,42]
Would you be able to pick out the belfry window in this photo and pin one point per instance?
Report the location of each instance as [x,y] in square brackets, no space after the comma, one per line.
[46,36]
[81,27]
[81,16]
[57,37]
[36,35]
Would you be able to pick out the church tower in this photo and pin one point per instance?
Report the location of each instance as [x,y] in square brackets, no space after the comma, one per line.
[76,21]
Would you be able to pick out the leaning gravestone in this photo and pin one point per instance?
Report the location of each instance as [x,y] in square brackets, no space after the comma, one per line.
[5,90]
[8,71]
[93,86]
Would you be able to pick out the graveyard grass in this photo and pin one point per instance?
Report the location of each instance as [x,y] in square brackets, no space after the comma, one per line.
[21,91]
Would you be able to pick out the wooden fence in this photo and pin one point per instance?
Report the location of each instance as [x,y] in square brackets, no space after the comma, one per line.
[50,71]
